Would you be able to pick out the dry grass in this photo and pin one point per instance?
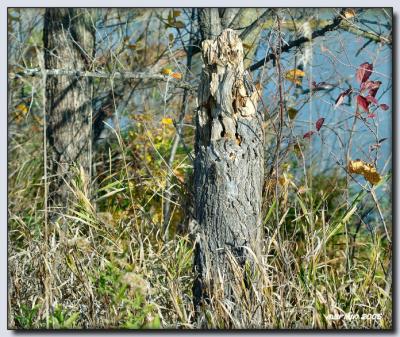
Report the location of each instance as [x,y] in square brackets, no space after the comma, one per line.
[111,268]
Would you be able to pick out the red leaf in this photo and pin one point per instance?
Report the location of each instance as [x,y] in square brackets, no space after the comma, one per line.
[384,107]
[363,72]
[319,123]
[374,88]
[308,134]
[363,103]
[371,116]
[371,99]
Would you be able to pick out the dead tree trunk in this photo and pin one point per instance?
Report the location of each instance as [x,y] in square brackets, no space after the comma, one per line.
[69,44]
[228,172]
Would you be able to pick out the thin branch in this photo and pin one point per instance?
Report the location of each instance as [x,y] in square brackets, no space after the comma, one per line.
[259,21]
[114,75]
[320,32]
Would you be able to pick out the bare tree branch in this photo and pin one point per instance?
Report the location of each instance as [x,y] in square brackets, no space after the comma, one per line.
[320,32]
[259,21]
[114,75]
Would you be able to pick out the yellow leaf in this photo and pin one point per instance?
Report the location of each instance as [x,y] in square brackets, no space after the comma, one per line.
[22,108]
[176,13]
[167,121]
[292,112]
[295,76]
[367,170]
[166,71]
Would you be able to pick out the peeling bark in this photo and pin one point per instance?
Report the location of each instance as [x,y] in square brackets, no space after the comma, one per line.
[228,168]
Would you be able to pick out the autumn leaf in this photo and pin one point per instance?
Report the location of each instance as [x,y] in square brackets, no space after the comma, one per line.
[319,123]
[176,13]
[341,97]
[371,116]
[374,87]
[166,71]
[166,121]
[308,134]
[292,112]
[295,76]
[178,24]
[363,103]
[371,99]
[177,76]
[349,13]
[363,72]
[384,107]
[22,108]
[367,170]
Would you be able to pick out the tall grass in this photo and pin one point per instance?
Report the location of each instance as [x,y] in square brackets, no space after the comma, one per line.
[112,268]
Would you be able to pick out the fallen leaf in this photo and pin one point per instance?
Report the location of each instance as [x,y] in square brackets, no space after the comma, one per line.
[363,72]
[319,123]
[367,170]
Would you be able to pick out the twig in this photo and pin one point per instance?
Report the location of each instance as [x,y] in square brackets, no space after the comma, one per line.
[96,74]
[272,56]
[259,21]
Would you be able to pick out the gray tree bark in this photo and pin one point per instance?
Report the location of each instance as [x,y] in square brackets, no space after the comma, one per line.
[228,170]
[69,44]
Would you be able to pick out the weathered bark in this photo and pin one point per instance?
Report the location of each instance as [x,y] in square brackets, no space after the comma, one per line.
[69,44]
[228,169]
[209,22]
